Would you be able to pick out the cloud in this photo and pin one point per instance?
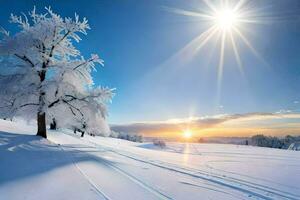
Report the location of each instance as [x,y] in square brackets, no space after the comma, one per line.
[283,111]
[199,123]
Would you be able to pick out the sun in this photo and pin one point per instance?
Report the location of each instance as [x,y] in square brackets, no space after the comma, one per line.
[187,134]
[224,23]
[226,19]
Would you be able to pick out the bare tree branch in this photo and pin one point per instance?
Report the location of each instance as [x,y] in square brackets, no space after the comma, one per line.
[29,104]
[53,103]
[25,58]
[72,111]
[74,108]
[83,63]
[53,47]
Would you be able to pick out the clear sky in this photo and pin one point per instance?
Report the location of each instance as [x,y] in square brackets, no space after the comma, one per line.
[157,79]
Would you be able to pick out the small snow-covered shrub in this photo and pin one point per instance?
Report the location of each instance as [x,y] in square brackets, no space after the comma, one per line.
[159,143]
[113,134]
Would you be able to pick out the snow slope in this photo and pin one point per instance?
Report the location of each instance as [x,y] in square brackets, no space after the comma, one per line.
[70,167]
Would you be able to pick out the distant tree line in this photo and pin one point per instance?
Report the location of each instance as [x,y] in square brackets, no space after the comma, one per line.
[126,136]
[272,142]
[287,142]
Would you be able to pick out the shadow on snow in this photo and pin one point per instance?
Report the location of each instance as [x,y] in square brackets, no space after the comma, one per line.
[23,156]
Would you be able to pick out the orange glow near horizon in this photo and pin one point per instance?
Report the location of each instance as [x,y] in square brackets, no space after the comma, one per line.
[235,125]
[226,130]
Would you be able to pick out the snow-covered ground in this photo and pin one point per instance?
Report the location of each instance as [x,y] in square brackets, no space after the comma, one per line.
[69,167]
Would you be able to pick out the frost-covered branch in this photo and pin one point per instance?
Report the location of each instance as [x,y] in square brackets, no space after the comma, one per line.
[4,32]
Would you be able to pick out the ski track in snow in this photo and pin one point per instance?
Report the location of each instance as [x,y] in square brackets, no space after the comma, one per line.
[251,189]
[97,189]
[219,180]
[149,188]
[134,179]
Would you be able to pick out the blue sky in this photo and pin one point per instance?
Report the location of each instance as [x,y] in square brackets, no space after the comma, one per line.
[138,41]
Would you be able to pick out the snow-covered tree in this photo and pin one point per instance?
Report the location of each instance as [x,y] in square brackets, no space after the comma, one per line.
[44,76]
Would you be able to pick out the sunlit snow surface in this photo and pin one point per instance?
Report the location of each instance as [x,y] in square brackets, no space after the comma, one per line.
[69,167]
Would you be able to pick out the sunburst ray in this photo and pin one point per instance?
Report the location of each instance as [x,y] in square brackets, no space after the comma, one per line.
[236,54]
[188,13]
[250,46]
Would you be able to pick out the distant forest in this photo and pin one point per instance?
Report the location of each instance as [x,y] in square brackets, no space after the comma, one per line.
[256,140]
[273,142]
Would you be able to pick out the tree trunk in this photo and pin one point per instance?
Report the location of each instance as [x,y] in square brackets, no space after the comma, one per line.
[41,123]
[41,116]
[53,124]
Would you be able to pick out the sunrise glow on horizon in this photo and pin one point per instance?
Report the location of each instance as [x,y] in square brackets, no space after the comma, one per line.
[245,125]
